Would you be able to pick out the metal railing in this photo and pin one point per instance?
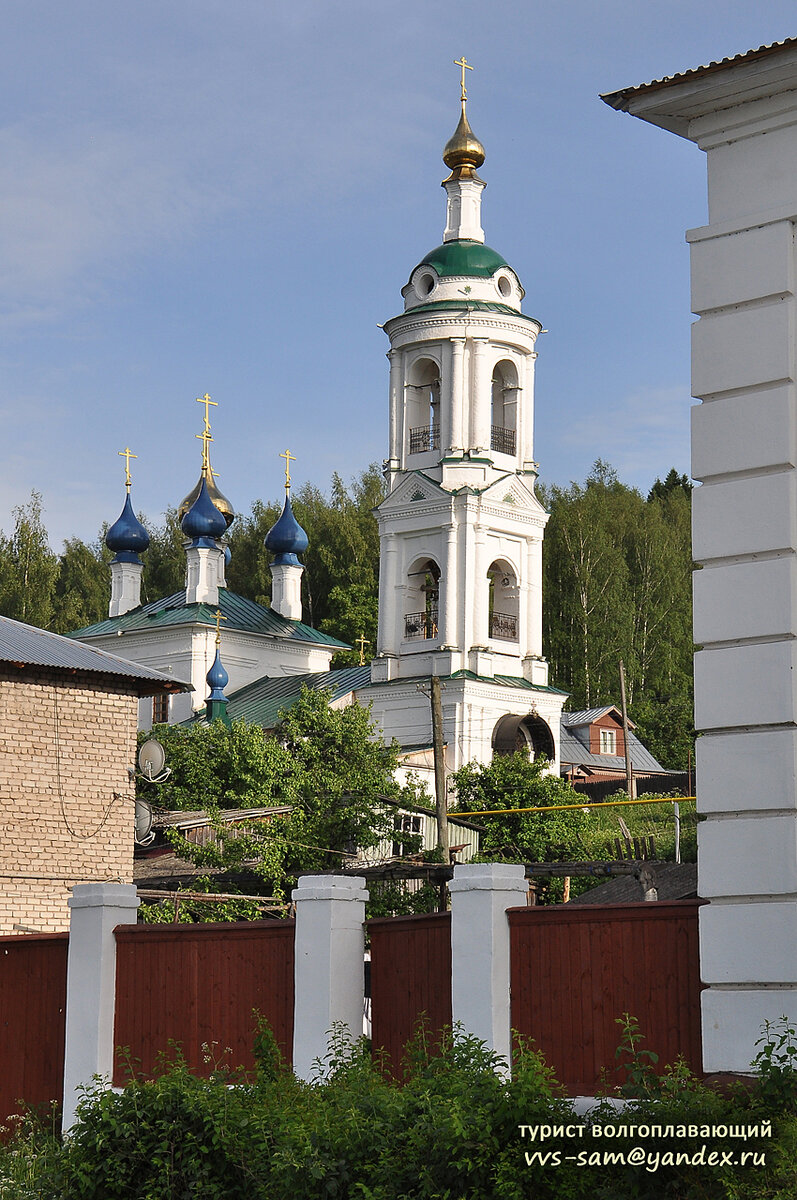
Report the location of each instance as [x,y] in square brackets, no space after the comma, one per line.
[504,626]
[425,437]
[421,625]
[502,440]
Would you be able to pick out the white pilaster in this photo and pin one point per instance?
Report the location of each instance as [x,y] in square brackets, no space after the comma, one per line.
[525,411]
[286,590]
[463,209]
[480,406]
[745,538]
[457,393]
[480,968]
[125,587]
[329,952]
[96,910]
[395,401]
[450,598]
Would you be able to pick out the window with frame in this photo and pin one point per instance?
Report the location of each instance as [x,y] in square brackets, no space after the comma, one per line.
[608,741]
[160,709]
[405,823]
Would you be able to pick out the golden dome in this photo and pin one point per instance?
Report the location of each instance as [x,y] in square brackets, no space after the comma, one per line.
[464,151]
[220,500]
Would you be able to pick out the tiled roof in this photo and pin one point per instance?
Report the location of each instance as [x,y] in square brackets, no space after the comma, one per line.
[261,702]
[239,612]
[25,645]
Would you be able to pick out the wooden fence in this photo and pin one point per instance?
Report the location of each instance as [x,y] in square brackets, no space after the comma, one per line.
[32,1020]
[576,970]
[198,986]
[410,977]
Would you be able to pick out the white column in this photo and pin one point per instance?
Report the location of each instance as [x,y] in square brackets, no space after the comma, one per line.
[96,910]
[526,413]
[329,952]
[480,895]
[456,393]
[395,399]
[481,397]
[479,596]
[389,638]
[125,587]
[449,617]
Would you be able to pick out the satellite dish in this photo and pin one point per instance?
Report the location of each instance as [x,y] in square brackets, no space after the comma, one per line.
[151,759]
[144,833]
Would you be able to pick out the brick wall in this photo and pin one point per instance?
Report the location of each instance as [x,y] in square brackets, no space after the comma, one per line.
[66,800]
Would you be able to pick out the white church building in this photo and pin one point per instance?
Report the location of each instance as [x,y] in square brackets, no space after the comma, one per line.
[461,532]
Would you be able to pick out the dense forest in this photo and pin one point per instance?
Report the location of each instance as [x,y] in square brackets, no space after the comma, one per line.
[617,584]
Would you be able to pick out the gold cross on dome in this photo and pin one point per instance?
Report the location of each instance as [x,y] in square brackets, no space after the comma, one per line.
[206,400]
[362,643]
[289,458]
[127,454]
[205,437]
[219,619]
[465,65]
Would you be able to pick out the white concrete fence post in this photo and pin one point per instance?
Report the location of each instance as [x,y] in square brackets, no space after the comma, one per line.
[328,973]
[480,895]
[97,908]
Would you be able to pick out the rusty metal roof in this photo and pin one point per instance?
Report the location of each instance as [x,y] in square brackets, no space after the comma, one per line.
[26,646]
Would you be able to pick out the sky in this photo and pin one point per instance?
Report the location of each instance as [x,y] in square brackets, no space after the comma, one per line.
[226,196]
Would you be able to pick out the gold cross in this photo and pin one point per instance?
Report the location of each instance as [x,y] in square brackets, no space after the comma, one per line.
[205,437]
[219,618]
[206,400]
[362,643]
[288,459]
[465,65]
[127,454]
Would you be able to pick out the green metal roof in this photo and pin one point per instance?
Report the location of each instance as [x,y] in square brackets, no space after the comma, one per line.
[463,257]
[239,612]
[467,306]
[261,702]
[509,681]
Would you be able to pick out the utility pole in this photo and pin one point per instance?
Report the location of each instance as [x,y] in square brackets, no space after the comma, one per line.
[629,770]
[439,770]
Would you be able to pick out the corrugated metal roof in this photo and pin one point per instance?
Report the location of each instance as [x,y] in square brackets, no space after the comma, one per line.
[586,716]
[26,645]
[239,612]
[261,702]
[574,753]
[619,99]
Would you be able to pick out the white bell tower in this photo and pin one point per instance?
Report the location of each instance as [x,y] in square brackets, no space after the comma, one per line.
[461,528]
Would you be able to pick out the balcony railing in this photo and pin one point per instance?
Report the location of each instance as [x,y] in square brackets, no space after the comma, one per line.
[502,440]
[426,437]
[504,626]
[421,625]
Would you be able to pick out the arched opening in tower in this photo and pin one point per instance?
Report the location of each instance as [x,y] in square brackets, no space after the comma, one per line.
[530,735]
[503,418]
[504,602]
[423,406]
[422,600]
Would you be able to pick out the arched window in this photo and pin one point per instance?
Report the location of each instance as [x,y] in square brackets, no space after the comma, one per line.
[503,425]
[422,600]
[530,734]
[504,602]
[423,406]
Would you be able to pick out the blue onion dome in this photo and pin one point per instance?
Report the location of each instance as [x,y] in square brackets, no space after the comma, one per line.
[217,679]
[203,519]
[216,495]
[127,537]
[286,539]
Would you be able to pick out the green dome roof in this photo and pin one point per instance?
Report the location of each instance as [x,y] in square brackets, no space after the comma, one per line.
[463,258]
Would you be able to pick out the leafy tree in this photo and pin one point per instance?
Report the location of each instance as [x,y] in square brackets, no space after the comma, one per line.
[323,762]
[28,567]
[164,561]
[82,587]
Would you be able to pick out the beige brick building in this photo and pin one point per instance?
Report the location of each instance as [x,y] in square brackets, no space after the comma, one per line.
[68,719]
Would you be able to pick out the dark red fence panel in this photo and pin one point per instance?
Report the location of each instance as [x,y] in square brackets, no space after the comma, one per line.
[575,970]
[199,984]
[410,976]
[32,1020]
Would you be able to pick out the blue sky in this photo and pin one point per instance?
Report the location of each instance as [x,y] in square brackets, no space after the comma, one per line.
[228,195]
